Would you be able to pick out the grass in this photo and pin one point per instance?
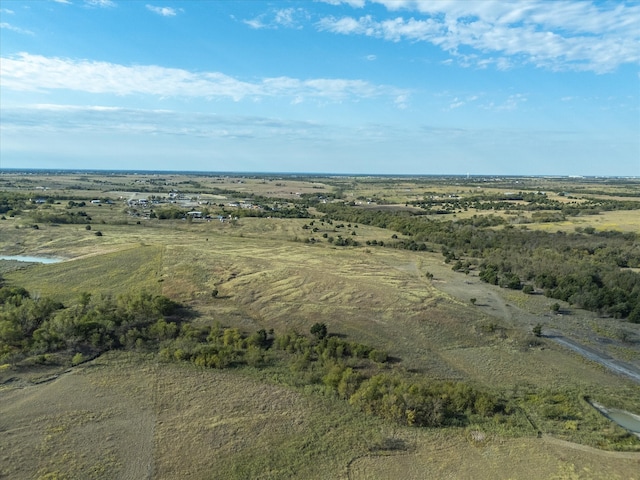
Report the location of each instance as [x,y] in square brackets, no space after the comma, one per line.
[113,273]
[226,424]
[126,416]
[180,420]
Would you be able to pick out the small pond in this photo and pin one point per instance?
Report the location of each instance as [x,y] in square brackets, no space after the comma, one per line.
[26,258]
[626,420]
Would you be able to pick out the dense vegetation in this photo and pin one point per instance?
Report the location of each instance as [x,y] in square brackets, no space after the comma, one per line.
[523,202]
[36,327]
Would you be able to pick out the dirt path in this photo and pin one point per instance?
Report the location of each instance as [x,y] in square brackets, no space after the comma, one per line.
[492,302]
[598,357]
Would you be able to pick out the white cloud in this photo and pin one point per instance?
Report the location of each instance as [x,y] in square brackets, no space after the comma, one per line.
[8,26]
[371,58]
[351,3]
[255,23]
[285,17]
[401,101]
[26,72]
[100,3]
[70,119]
[569,35]
[7,11]
[164,11]
[456,104]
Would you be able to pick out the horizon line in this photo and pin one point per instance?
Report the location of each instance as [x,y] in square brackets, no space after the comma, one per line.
[308,174]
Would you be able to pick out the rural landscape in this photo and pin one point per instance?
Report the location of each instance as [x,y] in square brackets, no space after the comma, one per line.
[168,325]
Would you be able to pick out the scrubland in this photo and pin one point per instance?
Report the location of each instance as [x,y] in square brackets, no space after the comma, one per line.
[131,412]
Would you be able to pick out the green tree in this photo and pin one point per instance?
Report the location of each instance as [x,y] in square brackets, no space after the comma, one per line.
[537,330]
[319,330]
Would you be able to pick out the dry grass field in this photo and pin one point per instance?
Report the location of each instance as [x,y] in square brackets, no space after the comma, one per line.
[127,415]
[122,416]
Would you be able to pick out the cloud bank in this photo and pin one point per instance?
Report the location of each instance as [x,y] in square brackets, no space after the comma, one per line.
[558,35]
[37,73]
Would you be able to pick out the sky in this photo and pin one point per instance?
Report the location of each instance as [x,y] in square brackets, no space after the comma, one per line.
[411,87]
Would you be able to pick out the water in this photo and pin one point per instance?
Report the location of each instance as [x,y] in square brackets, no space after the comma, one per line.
[26,258]
[626,420]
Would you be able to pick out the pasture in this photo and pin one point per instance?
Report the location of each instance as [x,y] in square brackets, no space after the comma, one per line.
[88,420]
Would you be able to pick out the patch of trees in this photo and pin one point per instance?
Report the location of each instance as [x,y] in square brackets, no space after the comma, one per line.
[217,347]
[294,211]
[79,217]
[526,202]
[170,213]
[423,403]
[339,241]
[586,274]
[38,326]
[350,370]
[13,203]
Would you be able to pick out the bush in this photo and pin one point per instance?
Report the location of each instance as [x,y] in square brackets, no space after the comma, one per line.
[378,356]
[77,359]
[319,330]
[537,330]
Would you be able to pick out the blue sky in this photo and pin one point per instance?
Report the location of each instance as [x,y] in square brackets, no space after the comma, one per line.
[334,86]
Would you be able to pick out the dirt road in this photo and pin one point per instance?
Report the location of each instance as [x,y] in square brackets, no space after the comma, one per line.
[565,330]
[603,359]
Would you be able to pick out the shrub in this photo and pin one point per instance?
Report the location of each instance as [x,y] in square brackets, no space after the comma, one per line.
[77,359]
[319,330]
[537,330]
[378,356]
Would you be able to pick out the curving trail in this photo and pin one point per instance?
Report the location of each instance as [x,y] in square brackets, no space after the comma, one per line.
[495,305]
[598,357]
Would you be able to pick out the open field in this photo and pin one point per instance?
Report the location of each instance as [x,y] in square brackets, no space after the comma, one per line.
[126,417]
[181,420]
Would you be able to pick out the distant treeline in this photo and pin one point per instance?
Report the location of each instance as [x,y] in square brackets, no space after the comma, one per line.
[522,202]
